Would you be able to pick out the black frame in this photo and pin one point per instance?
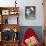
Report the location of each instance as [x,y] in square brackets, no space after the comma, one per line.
[32,12]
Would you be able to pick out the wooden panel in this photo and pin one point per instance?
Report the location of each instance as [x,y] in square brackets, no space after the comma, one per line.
[0,19]
[44,4]
[9,43]
[0,28]
[11,26]
[12,43]
[45,35]
[14,27]
[5,8]
[0,43]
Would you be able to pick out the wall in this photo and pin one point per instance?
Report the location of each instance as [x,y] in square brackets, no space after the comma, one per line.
[38,21]
[39,13]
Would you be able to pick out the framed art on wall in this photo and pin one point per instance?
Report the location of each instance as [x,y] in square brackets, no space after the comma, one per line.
[5,12]
[30,12]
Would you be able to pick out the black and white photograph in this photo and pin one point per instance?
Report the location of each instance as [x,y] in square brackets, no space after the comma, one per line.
[30,12]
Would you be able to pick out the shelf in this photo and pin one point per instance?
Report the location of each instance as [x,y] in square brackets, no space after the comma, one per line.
[10,26]
[7,12]
[10,41]
[7,16]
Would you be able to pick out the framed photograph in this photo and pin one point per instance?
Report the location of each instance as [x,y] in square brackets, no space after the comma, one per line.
[5,12]
[30,12]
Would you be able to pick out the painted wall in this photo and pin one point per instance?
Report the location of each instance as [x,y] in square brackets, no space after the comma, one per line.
[38,21]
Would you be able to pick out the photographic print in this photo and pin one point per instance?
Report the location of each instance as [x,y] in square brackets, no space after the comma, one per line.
[30,12]
[5,12]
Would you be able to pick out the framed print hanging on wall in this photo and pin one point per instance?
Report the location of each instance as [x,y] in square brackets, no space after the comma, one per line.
[30,12]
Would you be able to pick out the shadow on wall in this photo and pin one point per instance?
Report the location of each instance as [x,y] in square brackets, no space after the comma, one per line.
[37,29]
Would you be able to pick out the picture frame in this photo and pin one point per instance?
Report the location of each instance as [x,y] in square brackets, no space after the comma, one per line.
[5,12]
[13,12]
[30,12]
